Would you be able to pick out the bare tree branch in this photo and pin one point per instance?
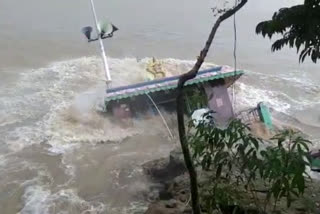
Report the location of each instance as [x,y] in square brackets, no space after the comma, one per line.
[180,105]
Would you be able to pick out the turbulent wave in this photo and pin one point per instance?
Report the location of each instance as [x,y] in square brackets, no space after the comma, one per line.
[60,104]
[53,118]
[39,200]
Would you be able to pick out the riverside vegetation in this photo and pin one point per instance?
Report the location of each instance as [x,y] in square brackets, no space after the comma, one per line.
[244,173]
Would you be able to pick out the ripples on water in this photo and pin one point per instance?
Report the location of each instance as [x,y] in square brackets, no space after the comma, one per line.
[60,153]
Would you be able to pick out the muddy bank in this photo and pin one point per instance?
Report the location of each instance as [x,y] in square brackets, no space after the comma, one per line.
[170,193]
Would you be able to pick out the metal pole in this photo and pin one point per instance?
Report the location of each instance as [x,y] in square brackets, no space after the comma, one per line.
[103,53]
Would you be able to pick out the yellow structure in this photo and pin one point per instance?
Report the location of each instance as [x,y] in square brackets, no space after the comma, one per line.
[155,70]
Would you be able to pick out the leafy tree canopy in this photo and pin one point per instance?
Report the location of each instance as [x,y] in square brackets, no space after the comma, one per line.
[299,26]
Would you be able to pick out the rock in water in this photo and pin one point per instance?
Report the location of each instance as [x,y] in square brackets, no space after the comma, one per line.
[165,169]
[170,172]
[167,207]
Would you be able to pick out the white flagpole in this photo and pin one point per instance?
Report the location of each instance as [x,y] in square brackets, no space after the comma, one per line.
[103,52]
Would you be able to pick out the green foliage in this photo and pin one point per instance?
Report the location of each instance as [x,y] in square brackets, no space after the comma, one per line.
[231,155]
[299,27]
[218,195]
[235,163]
[285,165]
[214,146]
[195,98]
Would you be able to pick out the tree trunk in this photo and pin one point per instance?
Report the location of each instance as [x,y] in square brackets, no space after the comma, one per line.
[180,106]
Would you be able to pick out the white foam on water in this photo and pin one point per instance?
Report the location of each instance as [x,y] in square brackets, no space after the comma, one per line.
[134,207]
[59,103]
[249,96]
[61,106]
[310,95]
[40,200]
[40,197]
[308,90]
[34,200]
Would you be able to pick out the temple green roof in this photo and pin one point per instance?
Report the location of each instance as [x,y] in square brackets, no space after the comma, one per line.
[169,83]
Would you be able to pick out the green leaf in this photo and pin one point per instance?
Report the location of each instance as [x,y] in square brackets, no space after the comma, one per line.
[300,183]
[306,147]
[255,142]
[230,166]
[216,137]
[219,170]
[276,189]
[298,26]
[247,155]
[289,199]
[263,153]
